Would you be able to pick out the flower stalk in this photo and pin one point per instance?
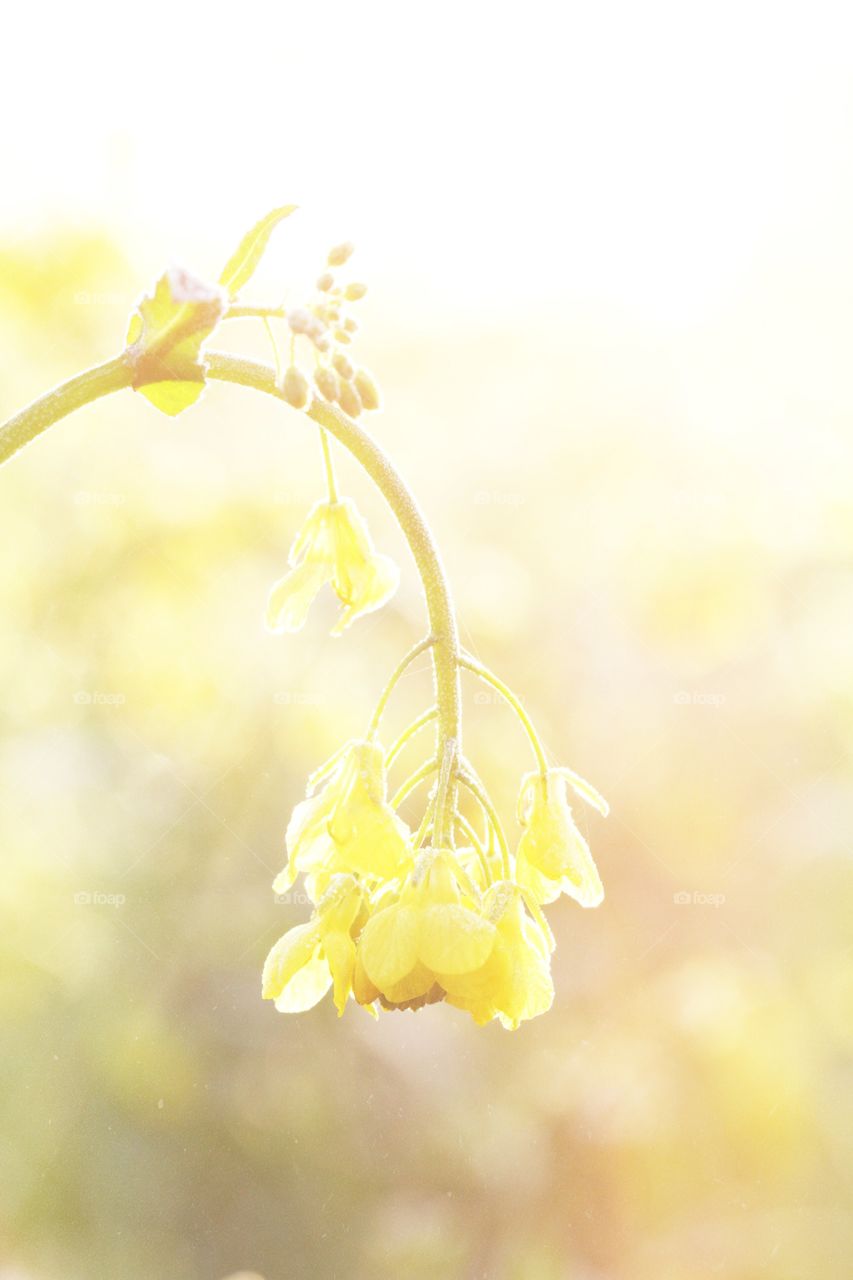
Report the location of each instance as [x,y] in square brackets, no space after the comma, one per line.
[401,918]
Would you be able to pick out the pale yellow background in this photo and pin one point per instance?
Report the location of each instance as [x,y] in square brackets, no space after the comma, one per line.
[610,261]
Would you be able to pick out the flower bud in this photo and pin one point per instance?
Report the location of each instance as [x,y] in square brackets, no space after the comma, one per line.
[300,320]
[367,390]
[341,252]
[351,325]
[325,282]
[295,388]
[326,382]
[343,366]
[341,335]
[349,399]
[353,292]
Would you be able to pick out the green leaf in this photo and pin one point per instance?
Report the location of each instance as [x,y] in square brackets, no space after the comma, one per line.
[165,335]
[242,264]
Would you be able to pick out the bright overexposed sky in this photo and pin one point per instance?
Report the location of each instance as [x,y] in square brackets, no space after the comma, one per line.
[643,153]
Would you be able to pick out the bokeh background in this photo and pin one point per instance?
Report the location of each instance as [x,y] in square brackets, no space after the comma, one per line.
[611,276]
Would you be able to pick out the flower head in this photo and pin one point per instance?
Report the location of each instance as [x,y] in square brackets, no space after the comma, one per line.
[312,957]
[552,856]
[435,928]
[514,983]
[349,827]
[332,546]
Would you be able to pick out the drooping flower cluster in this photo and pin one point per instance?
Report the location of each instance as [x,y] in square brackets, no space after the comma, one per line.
[398,925]
[402,918]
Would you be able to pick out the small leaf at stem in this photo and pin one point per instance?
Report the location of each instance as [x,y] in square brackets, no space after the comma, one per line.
[242,264]
[165,335]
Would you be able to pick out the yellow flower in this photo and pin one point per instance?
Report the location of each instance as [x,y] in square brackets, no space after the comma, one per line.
[515,982]
[552,856]
[312,957]
[332,546]
[435,927]
[349,826]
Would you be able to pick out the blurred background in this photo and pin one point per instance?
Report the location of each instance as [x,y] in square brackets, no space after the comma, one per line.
[611,275]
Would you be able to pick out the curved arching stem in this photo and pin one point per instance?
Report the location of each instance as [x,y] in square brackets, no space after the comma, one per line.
[62,400]
[116,374]
[442,619]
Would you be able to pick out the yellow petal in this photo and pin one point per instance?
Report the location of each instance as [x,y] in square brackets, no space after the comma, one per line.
[284,879]
[581,880]
[296,974]
[366,590]
[454,939]
[307,836]
[340,954]
[365,991]
[476,992]
[362,579]
[292,596]
[413,986]
[306,988]
[388,945]
[315,539]
[530,878]
[377,843]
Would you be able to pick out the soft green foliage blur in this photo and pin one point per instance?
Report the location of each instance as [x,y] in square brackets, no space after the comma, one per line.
[658,560]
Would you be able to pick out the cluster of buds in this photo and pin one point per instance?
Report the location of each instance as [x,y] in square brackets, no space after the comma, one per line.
[329,327]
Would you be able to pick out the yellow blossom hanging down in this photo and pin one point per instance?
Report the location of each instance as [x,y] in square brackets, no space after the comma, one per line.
[552,856]
[332,546]
[436,927]
[514,983]
[311,958]
[349,826]
[435,923]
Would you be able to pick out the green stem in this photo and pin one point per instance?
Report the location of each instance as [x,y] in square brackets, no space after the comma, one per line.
[481,795]
[119,373]
[406,788]
[407,734]
[471,664]
[443,832]
[445,647]
[330,470]
[64,399]
[477,845]
[274,346]
[400,669]
[236,312]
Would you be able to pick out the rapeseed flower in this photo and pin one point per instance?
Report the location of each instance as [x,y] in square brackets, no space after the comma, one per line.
[311,958]
[435,927]
[349,826]
[332,546]
[514,983]
[552,855]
